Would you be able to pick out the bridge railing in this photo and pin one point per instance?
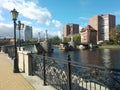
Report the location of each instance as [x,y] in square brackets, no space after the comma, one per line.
[69,75]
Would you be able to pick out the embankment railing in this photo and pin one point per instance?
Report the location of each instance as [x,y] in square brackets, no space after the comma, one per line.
[69,75]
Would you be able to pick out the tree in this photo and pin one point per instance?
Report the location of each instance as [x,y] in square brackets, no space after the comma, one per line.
[118,36]
[55,40]
[118,27]
[77,38]
[66,39]
[115,34]
[118,32]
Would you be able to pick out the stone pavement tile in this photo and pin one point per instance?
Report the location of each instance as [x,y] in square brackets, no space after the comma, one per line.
[37,82]
[18,81]
[10,80]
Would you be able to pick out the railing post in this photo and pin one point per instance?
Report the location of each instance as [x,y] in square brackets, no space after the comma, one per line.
[69,72]
[32,63]
[44,71]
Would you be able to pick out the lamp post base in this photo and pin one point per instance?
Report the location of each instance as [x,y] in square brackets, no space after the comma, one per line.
[16,69]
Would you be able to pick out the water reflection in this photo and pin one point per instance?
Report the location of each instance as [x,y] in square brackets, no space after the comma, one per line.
[106,58]
[90,57]
[109,58]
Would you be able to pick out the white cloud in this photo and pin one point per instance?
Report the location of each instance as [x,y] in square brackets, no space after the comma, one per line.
[42,32]
[1,17]
[48,22]
[116,12]
[29,10]
[83,18]
[84,2]
[55,33]
[36,31]
[26,22]
[56,23]
[80,27]
[6,30]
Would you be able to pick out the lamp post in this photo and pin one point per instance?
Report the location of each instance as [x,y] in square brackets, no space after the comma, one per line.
[20,27]
[14,14]
[38,37]
[46,35]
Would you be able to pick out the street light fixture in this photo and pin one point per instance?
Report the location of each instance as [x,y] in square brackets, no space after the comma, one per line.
[20,27]
[14,14]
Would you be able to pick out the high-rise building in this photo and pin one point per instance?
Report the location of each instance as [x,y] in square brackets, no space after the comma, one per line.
[103,24]
[67,29]
[27,33]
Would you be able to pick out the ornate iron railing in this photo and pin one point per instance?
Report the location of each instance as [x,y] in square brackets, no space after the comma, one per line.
[67,75]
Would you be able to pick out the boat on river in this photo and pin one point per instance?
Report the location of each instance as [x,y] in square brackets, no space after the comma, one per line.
[65,46]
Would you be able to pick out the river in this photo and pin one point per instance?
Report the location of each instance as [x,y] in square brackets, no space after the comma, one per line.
[109,58]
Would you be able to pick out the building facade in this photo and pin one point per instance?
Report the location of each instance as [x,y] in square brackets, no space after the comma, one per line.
[88,35]
[28,33]
[70,28]
[103,24]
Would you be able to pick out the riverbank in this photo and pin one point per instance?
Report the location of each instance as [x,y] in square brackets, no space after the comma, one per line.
[101,46]
[109,46]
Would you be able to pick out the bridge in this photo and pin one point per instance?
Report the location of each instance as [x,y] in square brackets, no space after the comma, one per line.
[69,75]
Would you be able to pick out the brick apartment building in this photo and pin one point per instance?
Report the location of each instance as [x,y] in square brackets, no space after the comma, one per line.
[67,29]
[103,24]
[88,35]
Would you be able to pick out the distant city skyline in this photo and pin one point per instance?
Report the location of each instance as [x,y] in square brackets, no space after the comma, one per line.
[53,15]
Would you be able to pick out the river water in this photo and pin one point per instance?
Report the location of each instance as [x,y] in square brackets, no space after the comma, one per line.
[109,58]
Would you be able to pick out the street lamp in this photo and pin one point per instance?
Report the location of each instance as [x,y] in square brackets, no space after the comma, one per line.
[46,35]
[14,14]
[38,37]
[20,27]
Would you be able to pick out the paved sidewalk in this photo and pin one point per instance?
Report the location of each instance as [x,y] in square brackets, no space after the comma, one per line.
[17,81]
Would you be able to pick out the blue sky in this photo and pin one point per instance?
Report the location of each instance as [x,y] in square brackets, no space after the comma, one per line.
[53,14]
